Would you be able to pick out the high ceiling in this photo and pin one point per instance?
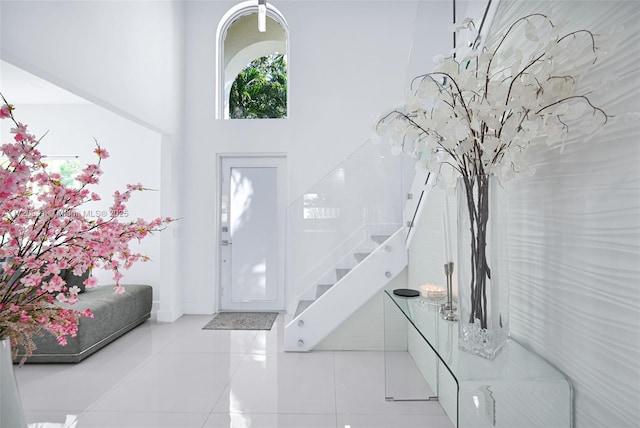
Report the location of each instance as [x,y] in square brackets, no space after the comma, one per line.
[20,87]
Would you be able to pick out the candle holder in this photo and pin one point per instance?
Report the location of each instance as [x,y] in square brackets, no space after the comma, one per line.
[448,309]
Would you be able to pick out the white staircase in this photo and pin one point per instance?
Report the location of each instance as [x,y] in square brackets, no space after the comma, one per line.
[334,303]
[355,280]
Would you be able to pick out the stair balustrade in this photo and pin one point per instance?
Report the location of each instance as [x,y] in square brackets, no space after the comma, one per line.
[346,220]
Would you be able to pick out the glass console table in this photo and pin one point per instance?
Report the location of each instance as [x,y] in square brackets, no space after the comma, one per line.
[517,389]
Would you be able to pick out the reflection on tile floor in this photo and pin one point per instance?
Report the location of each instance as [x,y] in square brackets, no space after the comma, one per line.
[178,375]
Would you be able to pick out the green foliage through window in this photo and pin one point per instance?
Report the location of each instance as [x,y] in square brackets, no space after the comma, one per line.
[68,170]
[260,90]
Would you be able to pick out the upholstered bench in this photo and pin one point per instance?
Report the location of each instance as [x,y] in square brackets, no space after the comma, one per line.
[114,315]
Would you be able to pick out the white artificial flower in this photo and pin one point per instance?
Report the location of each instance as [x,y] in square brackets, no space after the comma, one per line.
[423,120]
[412,134]
[460,128]
[432,163]
[475,125]
[449,67]
[464,147]
[531,31]
[491,144]
[510,128]
[493,117]
[495,110]
[431,141]
[414,103]
[467,80]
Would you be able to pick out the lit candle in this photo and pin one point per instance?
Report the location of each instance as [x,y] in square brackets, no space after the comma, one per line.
[430,291]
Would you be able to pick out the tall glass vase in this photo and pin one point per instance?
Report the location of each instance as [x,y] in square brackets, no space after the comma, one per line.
[11,411]
[483,289]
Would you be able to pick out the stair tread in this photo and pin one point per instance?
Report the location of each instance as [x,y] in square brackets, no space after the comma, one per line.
[341,273]
[380,238]
[302,305]
[322,288]
[360,256]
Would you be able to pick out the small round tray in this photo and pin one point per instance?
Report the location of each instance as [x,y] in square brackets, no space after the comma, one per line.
[406,292]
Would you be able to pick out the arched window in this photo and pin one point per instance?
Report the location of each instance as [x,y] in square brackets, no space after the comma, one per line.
[256,61]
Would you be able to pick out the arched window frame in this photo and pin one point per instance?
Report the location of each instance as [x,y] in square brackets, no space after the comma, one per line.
[236,12]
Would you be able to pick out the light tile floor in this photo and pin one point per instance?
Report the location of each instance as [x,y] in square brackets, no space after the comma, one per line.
[178,375]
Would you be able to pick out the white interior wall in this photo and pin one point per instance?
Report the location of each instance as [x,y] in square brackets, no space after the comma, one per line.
[346,66]
[124,56]
[114,55]
[431,36]
[71,130]
[118,54]
[574,233]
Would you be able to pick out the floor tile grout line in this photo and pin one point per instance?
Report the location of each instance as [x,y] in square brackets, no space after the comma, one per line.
[117,384]
[335,389]
[242,356]
[147,360]
[164,350]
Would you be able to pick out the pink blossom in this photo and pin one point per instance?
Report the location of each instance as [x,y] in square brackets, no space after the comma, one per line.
[5,111]
[21,133]
[44,234]
[31,280]
[102,153]
[134,187]
[19,129]
[55,284]
[8,186]
[71,299]
[11,151]
[33,156]
[91,282]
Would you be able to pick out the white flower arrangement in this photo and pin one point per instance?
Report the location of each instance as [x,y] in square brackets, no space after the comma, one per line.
[487,115]
[489,112]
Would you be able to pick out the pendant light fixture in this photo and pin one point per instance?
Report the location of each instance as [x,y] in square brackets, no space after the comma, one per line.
[262,15]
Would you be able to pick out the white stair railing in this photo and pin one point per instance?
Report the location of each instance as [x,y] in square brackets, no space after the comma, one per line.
[423,182]
[348,238]
[338,302]
[360,198]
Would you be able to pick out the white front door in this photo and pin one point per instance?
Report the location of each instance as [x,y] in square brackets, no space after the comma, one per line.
[252,219]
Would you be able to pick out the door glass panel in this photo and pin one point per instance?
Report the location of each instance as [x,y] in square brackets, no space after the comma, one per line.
[253,227]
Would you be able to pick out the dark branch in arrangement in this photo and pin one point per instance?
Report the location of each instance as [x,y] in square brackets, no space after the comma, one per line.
[486,120]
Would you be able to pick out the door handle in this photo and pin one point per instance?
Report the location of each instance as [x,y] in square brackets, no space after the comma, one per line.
[225,242]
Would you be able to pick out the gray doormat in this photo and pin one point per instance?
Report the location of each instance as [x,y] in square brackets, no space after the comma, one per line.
[241,321]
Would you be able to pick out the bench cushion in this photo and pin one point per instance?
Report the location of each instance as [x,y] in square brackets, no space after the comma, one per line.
[114,315]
